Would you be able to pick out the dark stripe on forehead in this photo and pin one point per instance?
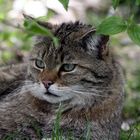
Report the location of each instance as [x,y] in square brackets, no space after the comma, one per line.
[59,52]
[42,49]
[44,53]
[62,57]
[65,27]
[67,55]
[65,30]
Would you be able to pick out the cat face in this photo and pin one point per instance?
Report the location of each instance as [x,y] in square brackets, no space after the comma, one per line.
[76,71]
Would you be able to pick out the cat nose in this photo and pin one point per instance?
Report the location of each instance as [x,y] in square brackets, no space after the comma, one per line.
[47,83]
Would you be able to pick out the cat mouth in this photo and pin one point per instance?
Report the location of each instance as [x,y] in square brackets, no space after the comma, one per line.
[51,94]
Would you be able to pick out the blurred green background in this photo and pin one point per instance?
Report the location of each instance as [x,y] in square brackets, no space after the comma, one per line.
[15,43]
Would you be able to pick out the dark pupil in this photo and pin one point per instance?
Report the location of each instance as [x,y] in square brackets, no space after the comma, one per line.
[39,64]
[68,67]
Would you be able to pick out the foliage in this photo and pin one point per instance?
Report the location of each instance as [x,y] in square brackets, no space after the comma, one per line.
[112,25]
[134,33]
[65,3]
[33,27]
[115,3]
[133,133]
[115,25]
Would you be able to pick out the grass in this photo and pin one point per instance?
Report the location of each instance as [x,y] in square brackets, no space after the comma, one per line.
[57,134]
[132,134]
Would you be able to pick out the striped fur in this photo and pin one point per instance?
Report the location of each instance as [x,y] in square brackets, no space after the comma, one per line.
[93,91]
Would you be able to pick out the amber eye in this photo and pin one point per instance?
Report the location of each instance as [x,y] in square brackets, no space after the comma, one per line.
[39,64]
[68,67]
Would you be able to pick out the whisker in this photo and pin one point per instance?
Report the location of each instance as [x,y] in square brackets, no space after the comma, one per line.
[92,93]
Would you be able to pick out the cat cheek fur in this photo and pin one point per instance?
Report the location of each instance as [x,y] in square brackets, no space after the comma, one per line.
[36,89]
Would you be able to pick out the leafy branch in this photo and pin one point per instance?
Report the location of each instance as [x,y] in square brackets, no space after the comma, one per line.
[34,28]
[65,3]
[115,24]
[109,26]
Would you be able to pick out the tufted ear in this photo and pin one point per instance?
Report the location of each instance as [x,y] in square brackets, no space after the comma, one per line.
[97,43]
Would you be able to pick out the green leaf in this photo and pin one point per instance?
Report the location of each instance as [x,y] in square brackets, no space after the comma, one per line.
[65,3]
[112,25]
[55,41]
[137,2]
[50,14]
[134,33]
[33,27]
[115,3]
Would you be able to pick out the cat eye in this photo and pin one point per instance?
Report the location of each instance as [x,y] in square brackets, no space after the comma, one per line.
[68,67]
[39,64]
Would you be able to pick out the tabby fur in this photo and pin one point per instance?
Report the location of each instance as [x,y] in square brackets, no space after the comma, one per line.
[93,92]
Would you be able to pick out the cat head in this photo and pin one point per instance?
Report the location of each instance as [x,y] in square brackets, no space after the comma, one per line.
[75,71]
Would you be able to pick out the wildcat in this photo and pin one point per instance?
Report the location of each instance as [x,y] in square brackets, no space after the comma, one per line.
[81,73]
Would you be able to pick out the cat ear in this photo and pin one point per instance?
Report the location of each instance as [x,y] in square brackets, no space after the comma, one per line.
[97,43]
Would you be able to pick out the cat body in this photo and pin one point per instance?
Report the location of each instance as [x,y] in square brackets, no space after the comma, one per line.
[80,73]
